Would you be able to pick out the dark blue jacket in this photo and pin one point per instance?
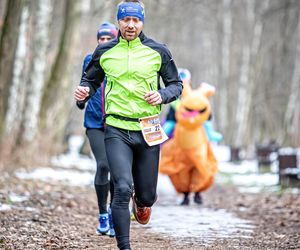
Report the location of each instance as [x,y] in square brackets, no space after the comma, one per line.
[94,115]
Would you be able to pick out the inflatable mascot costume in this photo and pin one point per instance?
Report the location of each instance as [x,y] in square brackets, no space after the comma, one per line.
[188,158]
[170,122]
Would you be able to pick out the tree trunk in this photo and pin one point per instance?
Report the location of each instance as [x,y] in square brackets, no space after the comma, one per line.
[247,76]
[12,120]
[8,44]
[57,96]
[17,90]
[291,120]
[37,73]
[225,64]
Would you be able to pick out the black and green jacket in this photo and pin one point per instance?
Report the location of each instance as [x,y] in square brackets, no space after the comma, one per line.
[132,68]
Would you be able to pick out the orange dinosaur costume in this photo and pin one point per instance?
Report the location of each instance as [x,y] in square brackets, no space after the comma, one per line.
[188,158]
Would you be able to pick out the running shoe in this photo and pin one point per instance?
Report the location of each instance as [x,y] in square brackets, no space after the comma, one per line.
[103,226]
[111,232]
[141,214]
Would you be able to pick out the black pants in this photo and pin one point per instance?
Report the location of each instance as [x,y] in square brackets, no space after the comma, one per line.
[131,161]
[101,182]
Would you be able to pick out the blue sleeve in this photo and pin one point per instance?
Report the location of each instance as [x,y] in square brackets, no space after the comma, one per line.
[86,61]
[212,135]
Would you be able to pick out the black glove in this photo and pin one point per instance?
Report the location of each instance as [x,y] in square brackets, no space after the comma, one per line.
[80,104]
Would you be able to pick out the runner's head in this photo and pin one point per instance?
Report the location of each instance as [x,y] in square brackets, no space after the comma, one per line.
[131,16]
[106,32]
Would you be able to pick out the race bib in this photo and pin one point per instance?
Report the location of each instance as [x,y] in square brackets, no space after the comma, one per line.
[152,131]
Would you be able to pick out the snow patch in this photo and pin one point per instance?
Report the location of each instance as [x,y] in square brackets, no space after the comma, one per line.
[68,177]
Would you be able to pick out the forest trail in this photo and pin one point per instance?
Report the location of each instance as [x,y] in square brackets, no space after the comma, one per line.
[36,214]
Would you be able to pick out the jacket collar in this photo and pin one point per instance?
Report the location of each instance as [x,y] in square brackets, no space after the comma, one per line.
[134,42]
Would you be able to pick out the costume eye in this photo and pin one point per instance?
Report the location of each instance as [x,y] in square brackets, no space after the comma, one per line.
[202,110]
[189,110]
[193,110]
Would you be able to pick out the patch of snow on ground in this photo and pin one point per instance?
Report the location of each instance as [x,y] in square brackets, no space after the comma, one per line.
[69,177]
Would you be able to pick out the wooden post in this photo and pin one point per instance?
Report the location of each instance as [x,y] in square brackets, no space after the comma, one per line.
[235,154]
[264,155]
[289,173]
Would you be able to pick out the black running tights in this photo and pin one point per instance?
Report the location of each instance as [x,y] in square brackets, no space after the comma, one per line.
[131,161]
[101,181]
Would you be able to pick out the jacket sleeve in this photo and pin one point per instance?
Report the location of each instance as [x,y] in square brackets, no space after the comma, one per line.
[86,61]
[93,75]
[169,75]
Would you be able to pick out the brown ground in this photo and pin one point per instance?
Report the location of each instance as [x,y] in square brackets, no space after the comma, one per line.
[65,219]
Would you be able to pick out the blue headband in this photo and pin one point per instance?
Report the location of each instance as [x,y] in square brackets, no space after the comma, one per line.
[130,9]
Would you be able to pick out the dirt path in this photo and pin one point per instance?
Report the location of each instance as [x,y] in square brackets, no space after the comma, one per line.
[62,217]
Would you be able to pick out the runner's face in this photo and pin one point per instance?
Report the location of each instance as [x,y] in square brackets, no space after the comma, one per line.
[130,27]
[104,39]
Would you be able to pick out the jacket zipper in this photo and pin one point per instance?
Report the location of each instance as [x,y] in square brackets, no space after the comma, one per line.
[106,104]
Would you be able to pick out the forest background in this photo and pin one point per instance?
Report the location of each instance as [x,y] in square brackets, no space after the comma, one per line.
[248,49]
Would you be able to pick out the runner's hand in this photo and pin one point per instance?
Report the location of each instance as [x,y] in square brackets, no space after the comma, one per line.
[81,93]
[153,98]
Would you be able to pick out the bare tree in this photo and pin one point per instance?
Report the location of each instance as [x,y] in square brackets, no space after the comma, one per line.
[37,73]
[247,75]
[225,65]
[57,98]
[8,44]
[17,89]
[247,48]
[292,114]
